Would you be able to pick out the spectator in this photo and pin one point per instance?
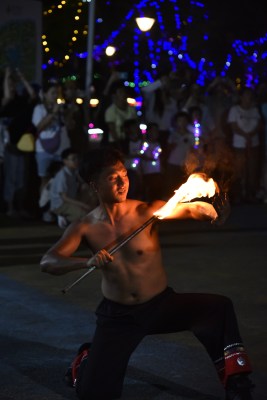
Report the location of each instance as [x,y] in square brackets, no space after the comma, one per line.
[245,122]
[76,118]
[116,114]
[66,188]
[221,95]
[45,195]
[262,104]
[161,103]
[15,112]
[48,118]
[132,156]
[180,145]
[151,164]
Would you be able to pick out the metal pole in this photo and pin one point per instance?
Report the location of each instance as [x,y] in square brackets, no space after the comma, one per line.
[90,48]
[112,251]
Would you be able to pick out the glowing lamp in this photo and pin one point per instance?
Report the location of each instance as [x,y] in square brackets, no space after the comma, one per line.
[144,23]
[131,102]
[110,50]
[95,135]
[94,102]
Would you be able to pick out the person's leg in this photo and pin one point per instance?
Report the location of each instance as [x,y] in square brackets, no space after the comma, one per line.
[101,375]
[237,192]
[253,174]
[212,320]
[71,212]
[10,180]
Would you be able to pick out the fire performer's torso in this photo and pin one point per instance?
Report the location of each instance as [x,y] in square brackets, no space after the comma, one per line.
[135,273]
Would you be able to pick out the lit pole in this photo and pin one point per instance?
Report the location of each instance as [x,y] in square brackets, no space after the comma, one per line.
[90,49]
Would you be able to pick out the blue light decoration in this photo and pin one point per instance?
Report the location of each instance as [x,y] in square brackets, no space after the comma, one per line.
[179,26]
[173,46]
[197,134]
[252,53]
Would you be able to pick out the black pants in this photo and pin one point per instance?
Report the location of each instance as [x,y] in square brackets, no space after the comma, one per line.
[120,328]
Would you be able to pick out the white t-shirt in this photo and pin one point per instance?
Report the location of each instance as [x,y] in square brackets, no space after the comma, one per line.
[247,120]
[183,145]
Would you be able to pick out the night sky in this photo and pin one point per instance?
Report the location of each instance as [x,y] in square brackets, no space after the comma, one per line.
[228,21]
[238,18]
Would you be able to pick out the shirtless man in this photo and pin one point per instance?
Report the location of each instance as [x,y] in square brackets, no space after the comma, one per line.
[137,300]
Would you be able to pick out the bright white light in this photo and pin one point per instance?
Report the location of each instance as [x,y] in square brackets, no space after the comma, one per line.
[143,127]
[94,102]
[95,131]
[131,101]
[110,50]
[145,23]
[95,135]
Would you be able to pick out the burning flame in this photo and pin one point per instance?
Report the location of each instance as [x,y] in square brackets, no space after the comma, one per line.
[197,185]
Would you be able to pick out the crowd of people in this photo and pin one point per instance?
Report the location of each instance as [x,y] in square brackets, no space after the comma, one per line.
[180,128]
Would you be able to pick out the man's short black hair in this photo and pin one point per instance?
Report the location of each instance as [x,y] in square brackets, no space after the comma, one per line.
[95,161]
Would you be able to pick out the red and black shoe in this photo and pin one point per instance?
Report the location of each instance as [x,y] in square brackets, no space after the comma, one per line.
[72,371]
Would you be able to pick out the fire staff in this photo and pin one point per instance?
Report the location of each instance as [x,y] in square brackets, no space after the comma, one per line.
[137,300]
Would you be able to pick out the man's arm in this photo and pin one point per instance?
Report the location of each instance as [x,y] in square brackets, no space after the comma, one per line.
[217,212]
[58,260]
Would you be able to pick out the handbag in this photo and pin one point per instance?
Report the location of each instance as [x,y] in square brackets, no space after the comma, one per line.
[52,144]
[26,143]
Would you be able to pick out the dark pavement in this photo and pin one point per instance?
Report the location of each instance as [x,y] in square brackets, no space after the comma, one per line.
[41,328]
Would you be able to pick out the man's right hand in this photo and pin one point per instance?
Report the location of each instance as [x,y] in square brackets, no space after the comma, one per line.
[100,259]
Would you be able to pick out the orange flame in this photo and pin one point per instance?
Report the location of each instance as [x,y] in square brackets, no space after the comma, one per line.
[197,185]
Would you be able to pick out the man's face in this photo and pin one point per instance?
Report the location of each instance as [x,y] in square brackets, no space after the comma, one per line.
[113,184]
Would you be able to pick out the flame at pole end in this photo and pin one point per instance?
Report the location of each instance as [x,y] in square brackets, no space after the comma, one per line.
[197,185]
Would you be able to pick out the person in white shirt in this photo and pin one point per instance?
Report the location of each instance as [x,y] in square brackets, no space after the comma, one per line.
[245,122]
[52,135]
[180,145]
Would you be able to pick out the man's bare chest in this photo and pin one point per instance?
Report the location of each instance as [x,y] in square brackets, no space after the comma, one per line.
[106,236]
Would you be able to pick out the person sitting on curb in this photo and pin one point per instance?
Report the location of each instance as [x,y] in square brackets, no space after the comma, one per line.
[67,190]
